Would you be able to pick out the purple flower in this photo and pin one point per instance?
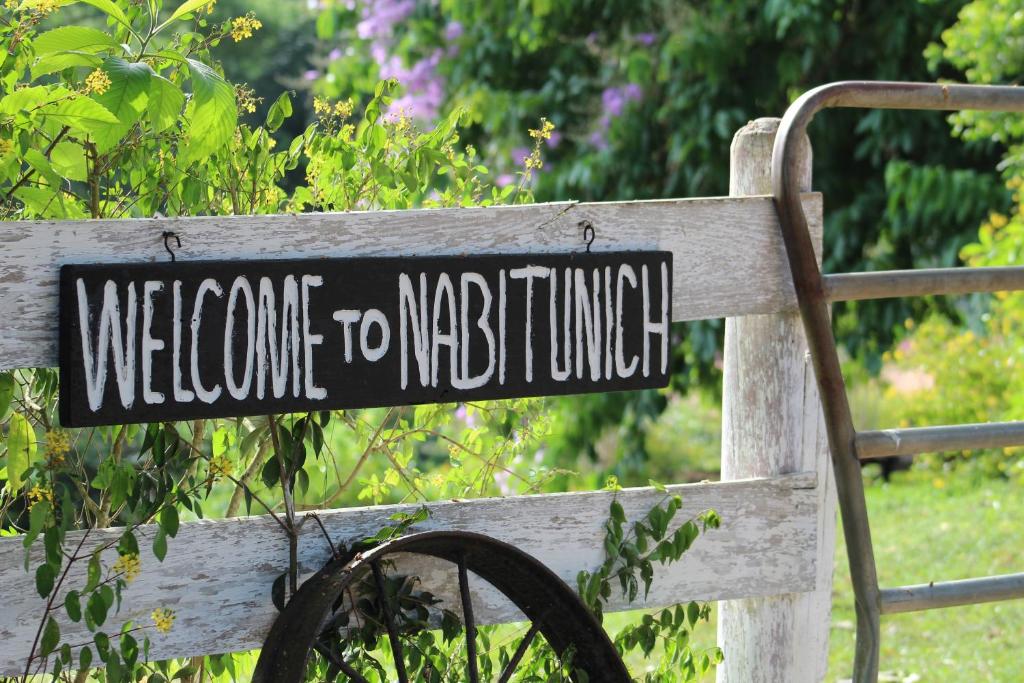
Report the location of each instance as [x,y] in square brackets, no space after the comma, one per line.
[311,75]
[613,101]
[453,31]
[379,52]
[380,17]
[504,180]
[334,55]
[598,140]
[519,155]
[632,92]
[554,140]
[645,38]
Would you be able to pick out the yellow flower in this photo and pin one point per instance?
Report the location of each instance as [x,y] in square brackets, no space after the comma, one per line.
[128,566]
[242,27]
[37,494]
[209,8]
[544,132]
[343,109]
[40,9]
[97,82]
[57,446]
[246,98]
[163,619]
[220,465]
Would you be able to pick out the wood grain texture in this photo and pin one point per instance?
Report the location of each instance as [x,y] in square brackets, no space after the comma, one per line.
[217,574]
[729,257]
[772,423]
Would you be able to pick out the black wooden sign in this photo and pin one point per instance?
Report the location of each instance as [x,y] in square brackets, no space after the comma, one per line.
[175,341]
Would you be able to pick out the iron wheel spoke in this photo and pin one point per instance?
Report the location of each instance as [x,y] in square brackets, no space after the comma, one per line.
[396,644]
[520,651]
[470,623]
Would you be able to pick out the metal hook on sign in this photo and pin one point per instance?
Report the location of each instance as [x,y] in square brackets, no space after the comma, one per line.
[168,235]
[588,228]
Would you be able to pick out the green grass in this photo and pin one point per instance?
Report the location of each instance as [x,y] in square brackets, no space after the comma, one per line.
[928,528]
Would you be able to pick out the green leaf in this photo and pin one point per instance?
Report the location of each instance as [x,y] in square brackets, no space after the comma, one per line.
[184,8]
[44,579]
[617,513]
[68,38]
[43,167]
[81,114]
[85,658]
[129,89]
[169,520]
[73,606]
[160,544]
[213,113]
[6,392]
[24,99]
[51,637]
[280,110]
[68,160]
[165,103]
[692,613]
[93,573]
[21,450]
[97,607]
[58,61]
[108,7]
[37,518]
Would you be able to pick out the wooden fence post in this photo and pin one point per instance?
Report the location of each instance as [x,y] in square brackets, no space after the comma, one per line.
[772,424]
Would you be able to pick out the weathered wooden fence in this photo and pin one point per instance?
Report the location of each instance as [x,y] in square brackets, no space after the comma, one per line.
[771,559]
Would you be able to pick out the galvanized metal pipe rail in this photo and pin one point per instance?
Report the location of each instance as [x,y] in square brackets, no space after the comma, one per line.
[952,593]
[891,284]
[813,296]
[912,441]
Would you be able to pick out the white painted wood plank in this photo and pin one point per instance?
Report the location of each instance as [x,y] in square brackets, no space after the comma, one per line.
[772,423]
[729,258]
[217,574]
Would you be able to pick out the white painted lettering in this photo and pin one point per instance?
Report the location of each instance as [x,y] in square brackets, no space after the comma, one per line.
[370,318]
[310,340]
[149,345]
[420,336]
[207,285]
[528,273]
[626,272]
[239,393]
[560,374]
[348,317]
[451,338]
[109,338]
[181,395]
[465,381]
[269,354]
[651,327]
[588,324]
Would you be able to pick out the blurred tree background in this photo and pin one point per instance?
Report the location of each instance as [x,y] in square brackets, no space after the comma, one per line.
[645,96]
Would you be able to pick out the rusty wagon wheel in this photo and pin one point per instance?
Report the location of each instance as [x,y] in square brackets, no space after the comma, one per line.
[553,609]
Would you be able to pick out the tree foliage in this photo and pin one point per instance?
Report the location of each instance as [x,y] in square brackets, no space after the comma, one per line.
[128,113]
